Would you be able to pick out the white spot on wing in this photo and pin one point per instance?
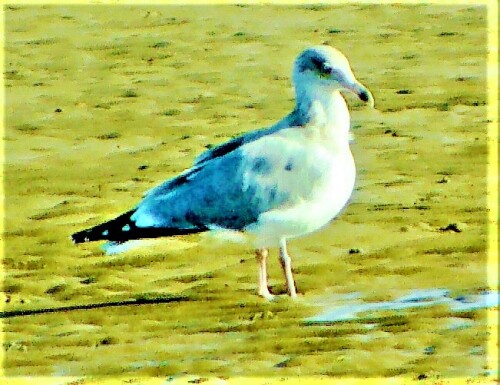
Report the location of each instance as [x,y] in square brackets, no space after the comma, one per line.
[143,219]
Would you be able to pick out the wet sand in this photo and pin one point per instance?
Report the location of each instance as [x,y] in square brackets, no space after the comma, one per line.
[104,102]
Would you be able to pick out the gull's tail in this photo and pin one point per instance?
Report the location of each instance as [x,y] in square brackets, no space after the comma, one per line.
[123,229]
[120,229]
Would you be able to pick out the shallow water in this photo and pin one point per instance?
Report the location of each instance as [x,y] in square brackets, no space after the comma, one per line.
[350,307]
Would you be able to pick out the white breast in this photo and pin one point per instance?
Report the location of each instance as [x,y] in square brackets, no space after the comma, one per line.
[319,186]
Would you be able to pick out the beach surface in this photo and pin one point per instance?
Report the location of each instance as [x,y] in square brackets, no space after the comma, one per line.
[103,103]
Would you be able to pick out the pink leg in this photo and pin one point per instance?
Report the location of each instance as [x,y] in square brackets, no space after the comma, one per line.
[286,264]
[261,255]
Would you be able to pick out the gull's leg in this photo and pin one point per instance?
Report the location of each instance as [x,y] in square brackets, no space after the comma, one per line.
[262,261]
[286,264]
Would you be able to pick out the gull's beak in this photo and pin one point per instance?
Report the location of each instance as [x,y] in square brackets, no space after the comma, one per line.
[361,92]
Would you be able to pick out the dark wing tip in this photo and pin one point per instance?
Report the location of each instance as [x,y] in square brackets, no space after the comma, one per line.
[79,237]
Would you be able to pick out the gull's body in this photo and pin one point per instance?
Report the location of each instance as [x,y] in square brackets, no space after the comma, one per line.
[274,184]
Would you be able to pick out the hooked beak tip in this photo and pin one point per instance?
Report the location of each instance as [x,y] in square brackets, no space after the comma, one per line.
[361,92]
[366,97]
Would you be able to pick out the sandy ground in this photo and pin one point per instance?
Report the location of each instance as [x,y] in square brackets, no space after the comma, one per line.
[104,102]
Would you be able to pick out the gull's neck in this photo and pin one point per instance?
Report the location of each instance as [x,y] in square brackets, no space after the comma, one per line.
[324,110]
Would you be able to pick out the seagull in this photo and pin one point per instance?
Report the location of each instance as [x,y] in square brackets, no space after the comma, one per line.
[273,184]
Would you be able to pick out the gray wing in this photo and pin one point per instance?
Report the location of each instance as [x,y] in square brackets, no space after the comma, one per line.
[224,191]
[227,187]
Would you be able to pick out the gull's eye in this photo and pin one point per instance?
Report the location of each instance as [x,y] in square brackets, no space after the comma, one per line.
[321,67]
[326,69]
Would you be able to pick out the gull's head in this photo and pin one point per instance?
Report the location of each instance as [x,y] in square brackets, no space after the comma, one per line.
[325,68]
